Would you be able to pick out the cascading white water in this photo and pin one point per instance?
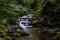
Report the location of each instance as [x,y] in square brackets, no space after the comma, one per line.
[26,29]
[24,23]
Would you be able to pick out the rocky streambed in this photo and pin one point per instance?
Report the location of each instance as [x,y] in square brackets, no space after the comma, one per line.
[41,33]
[38,33]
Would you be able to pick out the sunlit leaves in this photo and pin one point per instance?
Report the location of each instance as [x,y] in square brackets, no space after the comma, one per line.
[2,33]
[4,21]
[7,38]
[18,7]
[3,27]
[28,2]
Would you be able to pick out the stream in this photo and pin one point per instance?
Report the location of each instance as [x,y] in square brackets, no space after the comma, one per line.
[26,24]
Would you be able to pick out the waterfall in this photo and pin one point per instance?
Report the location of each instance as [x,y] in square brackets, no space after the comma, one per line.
[26,29]
[24,23]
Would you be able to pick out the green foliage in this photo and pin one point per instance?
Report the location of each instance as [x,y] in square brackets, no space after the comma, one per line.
[3,1]
[2,33]
[22,32]
[3,27]
[52,0]
[18,39]
[50,13]
[45,11]
[7,38]
[57,32]
[3,21]
[28,2]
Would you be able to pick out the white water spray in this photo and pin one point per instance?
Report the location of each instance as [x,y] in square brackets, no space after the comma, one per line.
[24,23]
[26,29]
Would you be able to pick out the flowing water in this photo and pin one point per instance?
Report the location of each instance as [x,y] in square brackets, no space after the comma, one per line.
[24,23]
[26,29]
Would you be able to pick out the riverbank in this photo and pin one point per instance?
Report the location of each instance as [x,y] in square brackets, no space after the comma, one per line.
[42,33]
